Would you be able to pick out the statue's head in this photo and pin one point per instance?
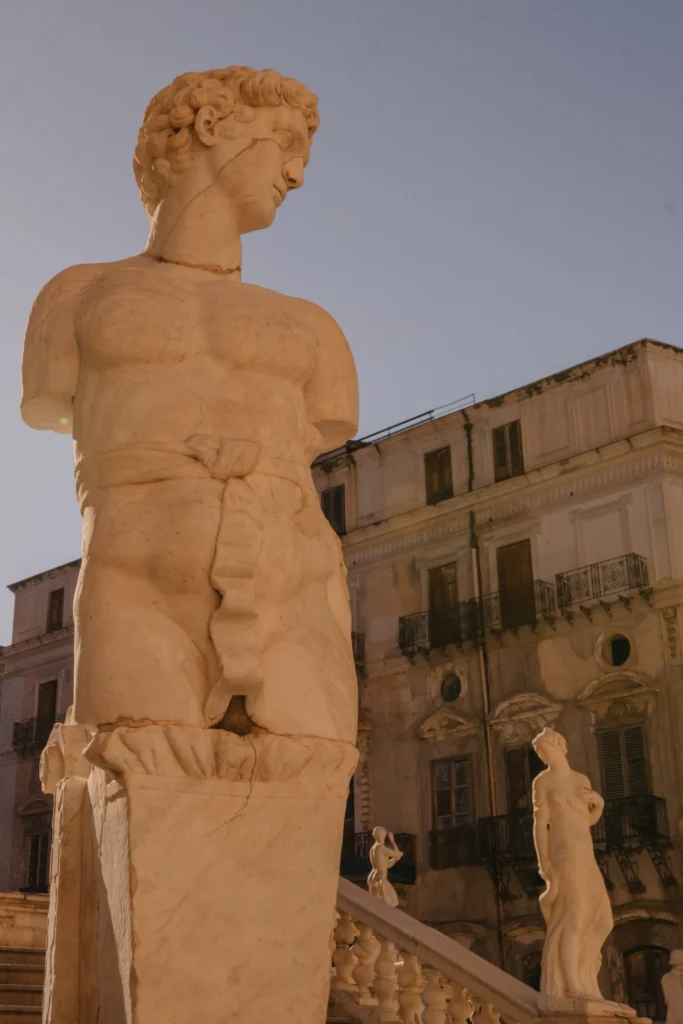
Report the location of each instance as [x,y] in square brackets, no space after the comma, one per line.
[379,834]
[550,746]
[249,131]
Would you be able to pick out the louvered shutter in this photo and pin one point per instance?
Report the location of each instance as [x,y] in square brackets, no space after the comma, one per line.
[515,763]
[636,763]
[515,441]
[501,470]
[612,764]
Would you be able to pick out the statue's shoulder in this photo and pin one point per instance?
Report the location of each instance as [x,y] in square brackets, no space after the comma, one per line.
[541,781]
[69,285]
[317,318]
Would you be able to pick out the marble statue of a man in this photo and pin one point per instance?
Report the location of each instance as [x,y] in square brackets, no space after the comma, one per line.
[575,904]
[672,986]
[212,589]
[384,853]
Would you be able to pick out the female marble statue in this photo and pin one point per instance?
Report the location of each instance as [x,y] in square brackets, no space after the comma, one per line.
[384,853]
[212,590]
[575,904]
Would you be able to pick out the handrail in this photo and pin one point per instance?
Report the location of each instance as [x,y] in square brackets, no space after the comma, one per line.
[484,981]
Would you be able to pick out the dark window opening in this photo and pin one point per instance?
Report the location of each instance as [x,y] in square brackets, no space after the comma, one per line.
[46,712]
[508,460]
[438,475]
[38,874]
[55,610]
[516,585]
[531,969]
[451,688]
[522,766]
[618,650]
[333,502]
[452,795]
[644,970]
[443,604]
[624,762]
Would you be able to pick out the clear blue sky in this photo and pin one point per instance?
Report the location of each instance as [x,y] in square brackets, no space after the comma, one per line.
[495,192]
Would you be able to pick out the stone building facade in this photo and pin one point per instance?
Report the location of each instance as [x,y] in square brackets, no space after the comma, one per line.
[514,564]
[511,564]
[36,688]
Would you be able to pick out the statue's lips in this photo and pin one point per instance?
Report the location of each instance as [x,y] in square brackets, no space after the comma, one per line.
[281,195]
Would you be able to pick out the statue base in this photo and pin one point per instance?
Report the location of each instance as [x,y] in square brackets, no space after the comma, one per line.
[195,877]
[576,1010]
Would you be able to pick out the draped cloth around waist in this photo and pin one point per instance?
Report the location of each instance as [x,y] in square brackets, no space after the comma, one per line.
[265,501]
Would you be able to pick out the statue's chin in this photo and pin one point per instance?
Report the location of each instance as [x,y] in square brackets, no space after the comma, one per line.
[257,217]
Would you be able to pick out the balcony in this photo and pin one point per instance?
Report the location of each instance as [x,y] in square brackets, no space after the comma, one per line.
[355,858]
[358,645]
[453,847]
[524,608]
[30,736]
[632,821]
[425,630]
[592,582]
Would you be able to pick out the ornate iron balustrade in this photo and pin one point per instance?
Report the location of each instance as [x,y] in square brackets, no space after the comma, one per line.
[453,847]
[543,606]
[358,645]
[30,736]
[425,630]
[508,837]
[632,821]
[355,858]
[591,582]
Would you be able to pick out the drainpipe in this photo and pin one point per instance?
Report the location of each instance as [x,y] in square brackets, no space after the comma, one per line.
[484,672]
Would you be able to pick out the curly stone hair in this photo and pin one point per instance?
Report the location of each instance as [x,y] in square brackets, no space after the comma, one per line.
[550,738]
[164,148]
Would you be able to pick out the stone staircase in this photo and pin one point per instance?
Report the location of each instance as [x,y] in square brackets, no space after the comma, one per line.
[22,970]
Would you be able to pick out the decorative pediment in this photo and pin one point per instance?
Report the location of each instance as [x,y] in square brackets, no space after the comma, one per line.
[518,719]
[35,805]
[619,696]
[445,724]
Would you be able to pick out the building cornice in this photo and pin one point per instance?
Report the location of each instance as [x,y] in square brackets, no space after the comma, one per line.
[43,640]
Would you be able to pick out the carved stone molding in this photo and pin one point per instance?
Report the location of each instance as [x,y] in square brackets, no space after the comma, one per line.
[672,646]
[363,777]
[518,719]
[619,697]
[445,724]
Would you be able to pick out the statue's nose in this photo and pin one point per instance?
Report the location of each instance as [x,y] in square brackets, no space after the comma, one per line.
[294,172]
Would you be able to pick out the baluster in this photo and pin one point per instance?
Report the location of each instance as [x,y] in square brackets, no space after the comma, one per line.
[385,982]
[459,1006]
[366,949]
[411,983]
[333,948]
[344,958]
[486,1015]
[435,997]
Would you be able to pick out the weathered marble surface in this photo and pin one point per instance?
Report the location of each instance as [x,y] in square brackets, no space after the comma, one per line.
[575,904]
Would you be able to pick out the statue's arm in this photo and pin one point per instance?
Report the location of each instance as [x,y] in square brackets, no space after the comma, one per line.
[50,360]
[332,389]
[596,804]
[541,824]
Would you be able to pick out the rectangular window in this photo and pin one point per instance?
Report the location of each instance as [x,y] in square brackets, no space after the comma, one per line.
[507,451]
[46,713]
[438,475]
[522,766]
[38,874]
[516,585]
[623,762]
[333,501]
[443,605]
[452,796]
[55,610]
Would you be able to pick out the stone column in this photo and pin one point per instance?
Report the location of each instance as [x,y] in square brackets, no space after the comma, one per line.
[210,864]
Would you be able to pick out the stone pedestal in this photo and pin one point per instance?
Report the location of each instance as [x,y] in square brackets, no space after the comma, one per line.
[208,876]
[556,1010]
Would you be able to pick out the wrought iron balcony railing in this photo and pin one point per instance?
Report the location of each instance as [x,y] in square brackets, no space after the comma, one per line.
[632,821]
[509,610]
[425,630]
[591,582]
[355,858]
[358,644]
[30,736]
[453,847]
[507,837]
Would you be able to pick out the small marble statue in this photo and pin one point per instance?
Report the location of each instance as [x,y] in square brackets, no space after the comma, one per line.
[672,986]
[575,904]
[384,853]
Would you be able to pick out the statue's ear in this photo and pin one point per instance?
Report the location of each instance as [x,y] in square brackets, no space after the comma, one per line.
[205,124]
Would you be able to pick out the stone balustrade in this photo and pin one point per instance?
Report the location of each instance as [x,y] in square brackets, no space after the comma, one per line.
[390,968]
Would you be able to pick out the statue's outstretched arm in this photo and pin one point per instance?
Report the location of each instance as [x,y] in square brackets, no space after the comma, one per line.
[332,389]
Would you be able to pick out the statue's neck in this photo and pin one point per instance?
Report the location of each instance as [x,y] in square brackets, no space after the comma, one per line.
[195,226]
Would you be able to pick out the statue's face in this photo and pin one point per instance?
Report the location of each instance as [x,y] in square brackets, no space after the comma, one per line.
[257,160]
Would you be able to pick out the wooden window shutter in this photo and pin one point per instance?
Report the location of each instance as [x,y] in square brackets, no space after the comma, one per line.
[500,454]
[438,475]
[636,761]
[515,764]
[516,456]
[333,502]
[516,585]
[612,764]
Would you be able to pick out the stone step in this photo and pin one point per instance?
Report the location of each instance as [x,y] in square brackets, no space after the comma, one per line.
[22,955]
[20,995]
[21,974]
[20,1014]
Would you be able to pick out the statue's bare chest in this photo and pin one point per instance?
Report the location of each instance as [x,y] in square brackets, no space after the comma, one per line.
[159,315]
